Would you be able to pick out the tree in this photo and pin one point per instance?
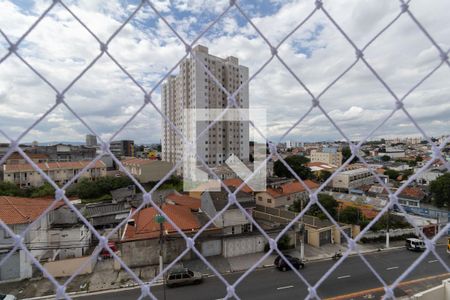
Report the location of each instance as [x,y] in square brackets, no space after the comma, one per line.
[346,154]
[86,189]
[392,174]
[323,175]
[350,215]
[297,163]
[440,190]
[329,203]
[385,158]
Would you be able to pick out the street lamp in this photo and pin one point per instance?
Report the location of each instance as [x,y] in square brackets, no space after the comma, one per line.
[160,220]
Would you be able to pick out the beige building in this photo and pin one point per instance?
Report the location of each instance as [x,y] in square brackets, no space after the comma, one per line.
[351,179]
[60,172]
[328,155]
[193,88]
[146,170]
[285,194]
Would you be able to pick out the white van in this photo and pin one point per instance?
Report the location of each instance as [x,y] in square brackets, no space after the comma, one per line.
[415,244]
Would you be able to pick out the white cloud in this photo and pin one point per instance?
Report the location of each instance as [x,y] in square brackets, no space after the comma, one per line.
[60,48]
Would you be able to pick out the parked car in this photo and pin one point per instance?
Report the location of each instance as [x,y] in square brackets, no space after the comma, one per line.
[183,276]
[282,265]
[415,244]
[7,297]
[105,253]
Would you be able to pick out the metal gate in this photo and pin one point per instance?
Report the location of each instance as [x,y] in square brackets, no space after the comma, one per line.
[325,237]
[11,267]
[211,248]
[348,232]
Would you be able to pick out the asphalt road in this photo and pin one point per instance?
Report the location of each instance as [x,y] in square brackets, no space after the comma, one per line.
[351,276]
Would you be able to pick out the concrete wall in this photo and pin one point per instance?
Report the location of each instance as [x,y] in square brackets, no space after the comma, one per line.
[67,267]
[243,245]
[441,292]
[146,252]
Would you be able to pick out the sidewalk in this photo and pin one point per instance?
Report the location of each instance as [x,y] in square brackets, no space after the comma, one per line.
[105,277]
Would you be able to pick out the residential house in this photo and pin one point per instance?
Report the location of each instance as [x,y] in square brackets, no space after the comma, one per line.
[232,220]
[60,172]
[52,235]
[352,179]
[147,170]
[285,193]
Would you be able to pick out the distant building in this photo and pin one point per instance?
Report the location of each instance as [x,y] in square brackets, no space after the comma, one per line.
[63,153]
[193,88]
[52,236]
[147,170]
[122,148]
[329,156]
[352,179]
[394,153]
[15,158]
[285,194]
[91,140]
[233,220]
[60,172]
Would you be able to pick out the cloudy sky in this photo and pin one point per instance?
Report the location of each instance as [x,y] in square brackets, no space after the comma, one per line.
[60,48]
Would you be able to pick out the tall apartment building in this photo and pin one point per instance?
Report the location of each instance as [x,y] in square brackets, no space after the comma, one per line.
[91,140]
[329,156]
[193,88]
[122,148]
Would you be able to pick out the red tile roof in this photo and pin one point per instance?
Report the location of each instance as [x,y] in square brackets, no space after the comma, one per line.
[412,193]
[16,210]
[146,227]
[185,200]
[236,182]
[291,188]
[16,155]
[137,161]
[78,165]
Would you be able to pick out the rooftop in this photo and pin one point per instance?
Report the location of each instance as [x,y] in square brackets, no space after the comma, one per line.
[146,227]
[17,210]
[78,165]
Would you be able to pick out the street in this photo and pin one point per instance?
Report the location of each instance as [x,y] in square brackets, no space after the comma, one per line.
[352,276]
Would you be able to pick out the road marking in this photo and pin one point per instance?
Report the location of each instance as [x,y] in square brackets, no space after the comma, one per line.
[432,261]
[392,268]
[285,287]
[381,289]
[342,277]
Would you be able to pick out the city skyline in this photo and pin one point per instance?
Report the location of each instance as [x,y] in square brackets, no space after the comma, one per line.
[317,53]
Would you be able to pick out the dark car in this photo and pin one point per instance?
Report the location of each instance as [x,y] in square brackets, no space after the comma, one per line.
[282,265]
[183,276]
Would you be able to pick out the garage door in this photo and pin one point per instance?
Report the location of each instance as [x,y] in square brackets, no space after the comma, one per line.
[348,232]
[10,269]
[325,237]
[211,248]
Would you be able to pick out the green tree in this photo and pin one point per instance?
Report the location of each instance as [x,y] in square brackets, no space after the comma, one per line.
[385,158]
[350,215]
[346,154]
[440,190]
[392,174]
[86,189]
[327,201]
[297,163]
[44,190]
[323,175]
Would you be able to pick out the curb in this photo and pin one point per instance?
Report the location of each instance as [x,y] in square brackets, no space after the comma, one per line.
[160,282]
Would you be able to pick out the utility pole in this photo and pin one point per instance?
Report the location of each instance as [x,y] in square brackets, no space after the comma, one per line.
[302,234]
[160,219]
[387,228]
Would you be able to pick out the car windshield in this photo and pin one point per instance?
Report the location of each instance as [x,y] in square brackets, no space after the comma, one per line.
[191,273]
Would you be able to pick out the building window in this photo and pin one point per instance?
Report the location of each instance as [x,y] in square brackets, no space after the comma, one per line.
[260,198]
[269,200]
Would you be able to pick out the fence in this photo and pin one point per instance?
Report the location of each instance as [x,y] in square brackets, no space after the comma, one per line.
[441,59]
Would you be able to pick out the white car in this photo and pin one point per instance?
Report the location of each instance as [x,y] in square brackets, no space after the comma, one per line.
[7,297]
